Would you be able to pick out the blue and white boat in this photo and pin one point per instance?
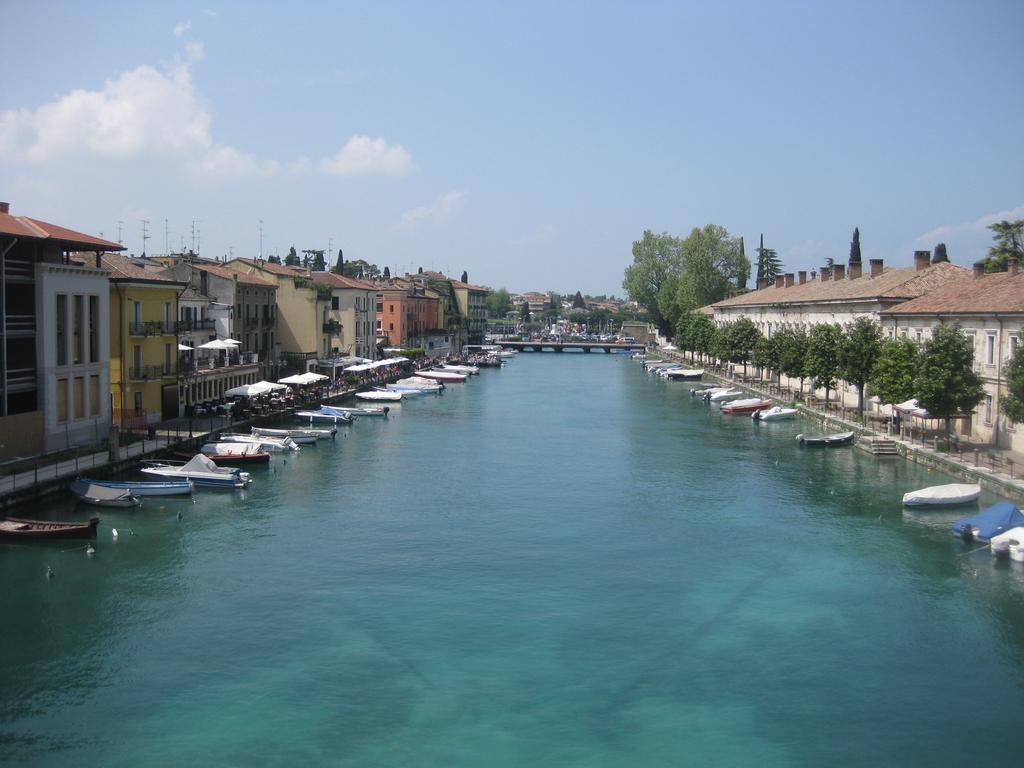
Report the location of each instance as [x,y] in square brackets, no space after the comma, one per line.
[146,487]
[999,518]
[406,390]
[201,471]
[375,410]
[332,416]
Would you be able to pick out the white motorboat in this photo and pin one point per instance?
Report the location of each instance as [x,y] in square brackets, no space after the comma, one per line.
[299,436]
[142,488]
[427,385]
[103,496]
[274,444]
[407,390]
[377,394]
[706,391]
[775,413]
[366,410]
[943,495]
[685,374]
[1009,544]
[469,370]
[201,471]
[724,396]
[445,377]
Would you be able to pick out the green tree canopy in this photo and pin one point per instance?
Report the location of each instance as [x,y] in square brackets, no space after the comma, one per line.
[292,259]
[858,354]
[768,353]
[498,303]
[945,382]
[339,265]
[823,355]
[273,259]
[465,276]
[578,302]
[524,311]
[387,273]
[855,246]
[793,344]
[1013,400]
[360,270]
[655,257]
[769,266]
[315,259]
[939,254]
[1009,244]
[892,379]
[740,341]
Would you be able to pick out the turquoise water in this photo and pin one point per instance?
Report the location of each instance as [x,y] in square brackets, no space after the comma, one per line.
[566,562]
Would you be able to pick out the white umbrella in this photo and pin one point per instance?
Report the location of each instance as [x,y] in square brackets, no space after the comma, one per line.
[185,348]
[293,379]
[269,386]
[246,390]
[231,341]
[311,377]
[215,344]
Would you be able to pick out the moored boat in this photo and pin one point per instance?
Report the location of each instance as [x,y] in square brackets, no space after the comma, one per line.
[428,385]
[685,374]
[724,395]
[377,394]
[273,444]
[999,518]
[201,471]
[836,438]
[233,454]
[469,370]
[1008,544]
[943,495]
[145,487]
[748,405]
[334,417]
[775,413]
[444,377]
[299,436]
[102,496]
[18,528]
[405,390]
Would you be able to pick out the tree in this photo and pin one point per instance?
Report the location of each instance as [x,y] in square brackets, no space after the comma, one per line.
[855,247]
[361,270]
[578,302]
[768,353]
[315,260]
[892,379]
[1009,244]
[339,265]
[710,265]
[273,259]
[768,264]
[741,280]
[387,273]
[1013,401]
[655,257]
[420,272]
[740,341]
[823,355]
[858,354]
[465,276]
[292,259]
[793,344]
[498,303]
[939,254]
[945,382]
[524,311]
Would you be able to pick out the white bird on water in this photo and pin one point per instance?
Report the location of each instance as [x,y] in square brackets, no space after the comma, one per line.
[90,550]
[114,531]
[49,572]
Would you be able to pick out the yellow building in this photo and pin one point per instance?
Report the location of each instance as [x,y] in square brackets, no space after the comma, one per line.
[143,344]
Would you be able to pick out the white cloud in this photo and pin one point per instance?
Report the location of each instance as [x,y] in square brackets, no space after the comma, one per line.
[361,154]
[208,12]
[181,28]
[194,52]
[439,212]
[979,225]
[222,160]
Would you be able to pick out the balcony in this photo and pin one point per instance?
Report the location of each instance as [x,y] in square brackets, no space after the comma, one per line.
[184,326]
[151,372]
[151,328]
[252,323]
[332,327]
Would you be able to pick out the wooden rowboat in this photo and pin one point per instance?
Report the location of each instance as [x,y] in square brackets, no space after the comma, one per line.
[16,528]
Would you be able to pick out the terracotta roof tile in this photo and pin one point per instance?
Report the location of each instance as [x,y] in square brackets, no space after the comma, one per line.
[229,274]
[23,226]
[123,267]
[996,292]
[470,286]
[340,281]
[907,283]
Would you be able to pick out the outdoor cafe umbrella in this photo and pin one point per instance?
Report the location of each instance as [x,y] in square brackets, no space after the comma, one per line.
[216,344]
[296,378]
[185,348]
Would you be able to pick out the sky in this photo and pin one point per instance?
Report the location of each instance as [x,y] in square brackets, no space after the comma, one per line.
[528,144]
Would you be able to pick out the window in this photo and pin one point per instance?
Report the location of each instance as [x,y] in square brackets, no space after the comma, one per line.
[137,359]
[79,397]
[917,334]
[334,302]
[988,409]
[378,325]
[62,330]
[380,306]
[391,326]
[990,349]
[76,330]
[94,329]
[138,402]
[168,316]
[94,395]
[1013,346]
[167,358]
[391,308]
[62,400]
[137,312]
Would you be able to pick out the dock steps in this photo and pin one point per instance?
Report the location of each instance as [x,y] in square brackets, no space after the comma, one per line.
[883,446]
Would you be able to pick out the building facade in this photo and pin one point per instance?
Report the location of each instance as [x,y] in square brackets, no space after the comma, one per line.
[472,300]
[406,314]
[347,317]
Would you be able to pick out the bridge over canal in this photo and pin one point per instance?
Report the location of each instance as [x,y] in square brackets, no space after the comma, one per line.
[561,346]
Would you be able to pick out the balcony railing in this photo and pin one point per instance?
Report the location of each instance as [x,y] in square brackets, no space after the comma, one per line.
[332,326]
[152,372]
[205,324]
[151,328]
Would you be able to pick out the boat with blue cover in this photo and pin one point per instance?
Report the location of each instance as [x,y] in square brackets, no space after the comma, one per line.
[999,518]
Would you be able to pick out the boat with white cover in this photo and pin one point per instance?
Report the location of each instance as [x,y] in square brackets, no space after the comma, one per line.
[102,496]
[332,417]
[443,376]
[775,413]
[685,374]
[943,495]
[377,394]
[836,438]
[299,436]
[470,370]
[274,444]
[201,471]
[142,488]
[1009,544]
[702,393]
[366,410]
[427,385]
[724,396]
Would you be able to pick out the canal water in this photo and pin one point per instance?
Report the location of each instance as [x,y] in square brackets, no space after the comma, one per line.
[565,562]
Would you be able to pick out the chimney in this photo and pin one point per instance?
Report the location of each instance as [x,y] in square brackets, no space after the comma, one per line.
[855,270]
[979,268]
[789,279]
[876,267]
[838,271]
[801,277]
[825,274]
[922,259]
[1011,266]
[762,283]
[5,207]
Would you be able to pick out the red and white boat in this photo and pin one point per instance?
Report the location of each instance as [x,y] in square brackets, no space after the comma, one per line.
[748,405]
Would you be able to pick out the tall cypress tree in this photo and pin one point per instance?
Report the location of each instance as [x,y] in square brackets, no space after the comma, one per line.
[339,265]
[855,247]
[465,276]
[768,265]
[939,254]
